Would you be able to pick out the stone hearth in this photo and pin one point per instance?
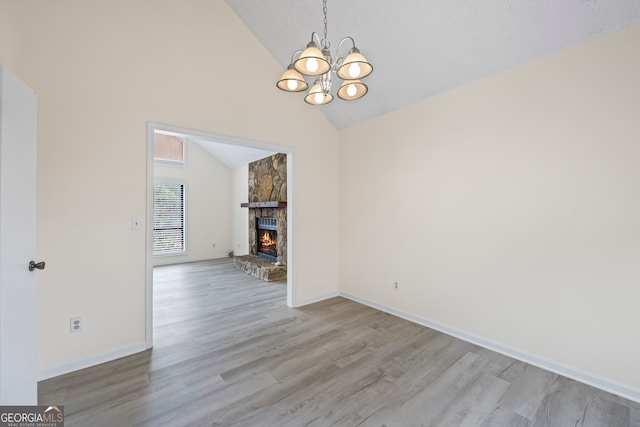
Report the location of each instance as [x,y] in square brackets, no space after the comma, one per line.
[260,268]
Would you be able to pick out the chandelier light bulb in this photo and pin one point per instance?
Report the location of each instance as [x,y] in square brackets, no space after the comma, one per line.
[354,70]
[352,90]
[292,81]
[311,61]
[354,66]
[312,65]
[317,95]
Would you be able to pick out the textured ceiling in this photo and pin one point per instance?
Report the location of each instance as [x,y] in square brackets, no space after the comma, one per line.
[419,48]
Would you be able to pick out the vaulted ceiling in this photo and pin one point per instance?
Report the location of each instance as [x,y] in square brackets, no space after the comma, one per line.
[420,48]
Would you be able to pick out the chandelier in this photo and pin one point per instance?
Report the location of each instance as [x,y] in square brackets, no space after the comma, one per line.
[318,63]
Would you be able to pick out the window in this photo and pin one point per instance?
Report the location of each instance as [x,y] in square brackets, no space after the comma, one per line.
[168,149]
[168,218]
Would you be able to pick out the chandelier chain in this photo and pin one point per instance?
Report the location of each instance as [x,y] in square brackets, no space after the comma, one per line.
[325,41]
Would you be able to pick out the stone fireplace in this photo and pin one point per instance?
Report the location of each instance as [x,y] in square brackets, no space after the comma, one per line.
[267,219]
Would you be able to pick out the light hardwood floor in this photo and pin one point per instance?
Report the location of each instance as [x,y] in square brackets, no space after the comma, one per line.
[229,352]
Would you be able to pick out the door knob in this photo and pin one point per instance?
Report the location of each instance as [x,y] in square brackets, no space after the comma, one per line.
[33,265]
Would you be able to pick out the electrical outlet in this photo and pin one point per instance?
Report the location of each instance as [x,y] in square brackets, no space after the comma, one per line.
[75,324]
[395,285]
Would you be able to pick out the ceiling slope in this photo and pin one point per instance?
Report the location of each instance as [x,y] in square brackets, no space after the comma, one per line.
[421,48]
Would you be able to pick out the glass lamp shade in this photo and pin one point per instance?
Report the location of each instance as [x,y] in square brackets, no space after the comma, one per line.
[352,89]
[312,61]
[354,66]
[317,96]
[292,81]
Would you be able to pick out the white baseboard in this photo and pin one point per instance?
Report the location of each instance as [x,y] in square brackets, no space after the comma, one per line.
[315,299]
[91,361]
[173,260]
[575,374]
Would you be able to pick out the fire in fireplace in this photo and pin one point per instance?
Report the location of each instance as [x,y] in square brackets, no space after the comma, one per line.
[267,238]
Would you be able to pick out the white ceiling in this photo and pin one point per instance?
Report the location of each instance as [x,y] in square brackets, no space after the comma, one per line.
[229,154]
[420,48]
[229,151]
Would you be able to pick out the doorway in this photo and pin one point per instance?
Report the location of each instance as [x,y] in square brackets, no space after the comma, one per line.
[232,146]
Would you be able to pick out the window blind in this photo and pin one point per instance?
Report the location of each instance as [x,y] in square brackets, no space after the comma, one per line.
[168,218]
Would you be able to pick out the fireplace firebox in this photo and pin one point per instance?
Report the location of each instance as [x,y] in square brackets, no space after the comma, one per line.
[267,238]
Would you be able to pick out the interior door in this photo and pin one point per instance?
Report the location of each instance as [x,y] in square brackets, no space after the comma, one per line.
[18,293]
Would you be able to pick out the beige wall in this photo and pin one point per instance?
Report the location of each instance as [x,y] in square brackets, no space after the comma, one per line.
[508,209]
[102,71]
[208,209]
[240,216]
[9,13]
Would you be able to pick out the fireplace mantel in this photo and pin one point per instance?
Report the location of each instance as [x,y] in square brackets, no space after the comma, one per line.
[269,204]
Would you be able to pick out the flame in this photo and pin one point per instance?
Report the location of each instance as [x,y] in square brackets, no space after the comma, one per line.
[266,239]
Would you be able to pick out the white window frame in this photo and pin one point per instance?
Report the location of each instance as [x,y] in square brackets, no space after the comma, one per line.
[173,163]
[182,182]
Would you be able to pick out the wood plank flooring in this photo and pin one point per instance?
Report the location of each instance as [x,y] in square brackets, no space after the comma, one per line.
[229,352]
